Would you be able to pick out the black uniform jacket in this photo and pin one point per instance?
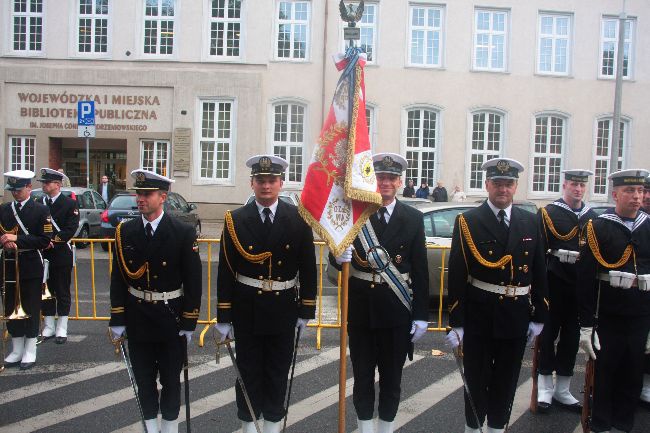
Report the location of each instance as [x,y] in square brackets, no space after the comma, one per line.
[36,219]
[173,259]
[563,221]
[289,249]
[490,314]
[612,237]
[65,213]
[378,306]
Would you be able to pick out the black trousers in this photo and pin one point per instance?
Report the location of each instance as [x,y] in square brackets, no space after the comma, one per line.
[618,377]
[30,293]
[153,359]
[383,349]
[562,321]
[264,361]
[59,285]
[492,370]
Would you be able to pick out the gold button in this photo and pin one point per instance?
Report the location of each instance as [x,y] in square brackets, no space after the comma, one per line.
[401,247]
[503,267]
[155,302]
[130,261]
[279,262]
[277,293]
[164,263]
[287,246]
[139,301]
[279,278]
[500,298]
[261,277]
[515,298]
[490,252]
[520,268]
[372,286]
[250,247]
[139,288]
[525,253]
[259,292]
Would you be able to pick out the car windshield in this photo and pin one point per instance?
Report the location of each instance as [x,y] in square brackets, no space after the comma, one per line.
[123,202]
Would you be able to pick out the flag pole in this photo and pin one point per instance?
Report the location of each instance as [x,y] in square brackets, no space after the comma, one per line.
[345,274]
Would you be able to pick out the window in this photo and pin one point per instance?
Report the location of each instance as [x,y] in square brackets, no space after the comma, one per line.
[609,47]
[21,153]
[93,26]
[27,21]
[293,30]
[604,130]
[368,31]
[216,140]
[426,36]
[486,143]
[554,44]
[421,145]
[289,137]
[370,120]
[225,28]
[490,40]
[159,27]
[547,154]
[154,156]
[99,201]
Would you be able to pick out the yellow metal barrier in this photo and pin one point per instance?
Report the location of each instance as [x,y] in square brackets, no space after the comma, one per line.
[208,320]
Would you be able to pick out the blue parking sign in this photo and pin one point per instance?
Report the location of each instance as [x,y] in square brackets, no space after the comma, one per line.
[86,113]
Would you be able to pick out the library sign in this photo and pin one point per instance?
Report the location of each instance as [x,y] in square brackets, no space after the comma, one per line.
[117,109]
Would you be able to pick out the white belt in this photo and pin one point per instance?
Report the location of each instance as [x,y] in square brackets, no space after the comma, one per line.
[604,276]
[267,285]
[375,278]
[508,291]
[149,296]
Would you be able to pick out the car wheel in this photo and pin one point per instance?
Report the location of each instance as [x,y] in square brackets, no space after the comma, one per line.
[83,234]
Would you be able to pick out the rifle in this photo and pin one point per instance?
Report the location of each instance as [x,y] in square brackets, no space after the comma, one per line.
[533,394]
[585,417]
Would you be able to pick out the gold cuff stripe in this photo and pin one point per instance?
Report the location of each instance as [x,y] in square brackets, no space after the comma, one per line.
[224,304]
[308,302]
[117,310]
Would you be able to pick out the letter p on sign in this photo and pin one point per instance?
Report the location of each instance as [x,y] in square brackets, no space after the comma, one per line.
[86,119]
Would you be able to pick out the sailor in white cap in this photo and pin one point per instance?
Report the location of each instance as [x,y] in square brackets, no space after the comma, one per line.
[26,229]
[388,308]
[614,302]
[156,297]
[562,225]
[497,295]
[266,288]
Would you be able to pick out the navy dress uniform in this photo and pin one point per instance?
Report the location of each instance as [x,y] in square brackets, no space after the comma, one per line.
[645,391]
[614,306]
[497,297]
[266,284]
[156,294]
[31,224]
[65,222]
[562,230]
[380,319]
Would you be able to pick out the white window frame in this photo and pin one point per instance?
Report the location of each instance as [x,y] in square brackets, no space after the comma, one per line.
[440,30]
[226,20]
[292,22]
[622,160]
[175,19]
[302,146]
[502,144]
[26,161]
[230,141]
[74,43]
[371,117]
[28,16]
[549,115]
[555,37]
[364,26]
[421,149]
[630,40]
[491,34]
[157,144]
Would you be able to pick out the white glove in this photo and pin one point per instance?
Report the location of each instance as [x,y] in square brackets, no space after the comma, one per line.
[345,257]
[302,324]
[454,337]
[647,345]
[225,330]
[418,329]
[117,331]
[186,334]
[534,329]
[585,342]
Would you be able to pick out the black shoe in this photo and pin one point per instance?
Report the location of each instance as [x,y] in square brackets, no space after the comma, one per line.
[575,407]
[543,407]
[42,339]
[26,365]
[11,364]
[60,340]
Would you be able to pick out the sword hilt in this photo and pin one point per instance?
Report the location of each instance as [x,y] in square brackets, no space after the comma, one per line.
[458,351]
[116,342]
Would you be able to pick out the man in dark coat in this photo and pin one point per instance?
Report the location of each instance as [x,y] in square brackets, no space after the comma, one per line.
[614,302]
[497,294]
[409,190]
[385,318]
[266,288]
[156,297]
[439,193]
[65,222]
[26,229]
[645,392]
[562,223]
[106,189]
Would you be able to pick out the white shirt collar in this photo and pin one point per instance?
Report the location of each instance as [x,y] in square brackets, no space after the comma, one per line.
[24,202]
[54,198]
[495,211]
[154,223]
[260,210]
[389,210]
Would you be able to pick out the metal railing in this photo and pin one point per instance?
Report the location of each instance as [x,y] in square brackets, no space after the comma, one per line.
[207,318]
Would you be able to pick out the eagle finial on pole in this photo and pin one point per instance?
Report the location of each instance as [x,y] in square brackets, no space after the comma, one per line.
[350,13]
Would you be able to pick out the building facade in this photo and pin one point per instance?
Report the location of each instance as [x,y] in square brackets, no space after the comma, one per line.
[192,88]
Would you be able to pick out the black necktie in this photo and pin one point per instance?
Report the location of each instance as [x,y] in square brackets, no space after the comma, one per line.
[502,220]
[382,216]
[18,205]
[267,219]
[149,231]
[49,202]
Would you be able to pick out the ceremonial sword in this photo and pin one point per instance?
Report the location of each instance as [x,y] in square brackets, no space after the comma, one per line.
[458,355]
[293,370]
[186,377]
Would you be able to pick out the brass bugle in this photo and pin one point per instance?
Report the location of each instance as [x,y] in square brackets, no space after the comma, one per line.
[46,294]
[18,312]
